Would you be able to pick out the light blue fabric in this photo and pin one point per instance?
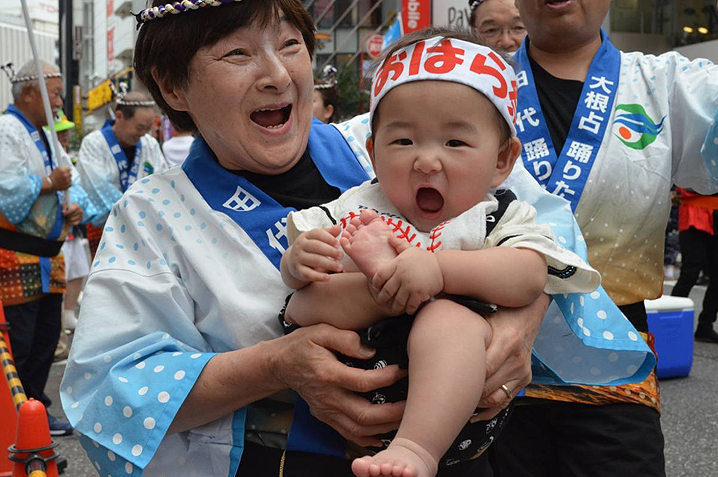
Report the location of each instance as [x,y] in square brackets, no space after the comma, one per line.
[710,148]
[135,401]
[17,194]
[80,197]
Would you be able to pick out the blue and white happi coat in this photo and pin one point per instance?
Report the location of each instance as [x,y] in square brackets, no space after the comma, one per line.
[643,123]
[100,172]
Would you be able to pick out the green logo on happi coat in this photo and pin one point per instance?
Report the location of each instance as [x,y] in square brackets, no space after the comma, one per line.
[634,127]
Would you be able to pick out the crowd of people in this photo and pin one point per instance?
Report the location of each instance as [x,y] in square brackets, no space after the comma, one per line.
[452,284]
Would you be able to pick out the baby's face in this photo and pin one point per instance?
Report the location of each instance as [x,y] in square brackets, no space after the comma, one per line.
[436,150]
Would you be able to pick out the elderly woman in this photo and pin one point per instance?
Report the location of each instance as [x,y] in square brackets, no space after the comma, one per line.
[179,365]
[497,23]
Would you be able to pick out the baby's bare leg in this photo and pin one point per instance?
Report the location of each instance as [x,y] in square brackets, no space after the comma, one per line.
[447,366]
[366,242]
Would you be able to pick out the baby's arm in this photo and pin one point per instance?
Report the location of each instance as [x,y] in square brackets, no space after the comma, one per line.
[312,255]
[504,276]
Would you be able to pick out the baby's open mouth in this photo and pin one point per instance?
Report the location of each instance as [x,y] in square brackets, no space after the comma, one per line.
[429,200]
[272,118]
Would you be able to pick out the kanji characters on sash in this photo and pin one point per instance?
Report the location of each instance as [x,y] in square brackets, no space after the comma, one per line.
[596,101]
[601,82]
[277,235]
[536,149]
[522,79]
[580,151]
[526,115]
[591,123]
[242,201]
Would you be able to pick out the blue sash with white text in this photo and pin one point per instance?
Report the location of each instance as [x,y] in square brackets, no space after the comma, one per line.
[50,164]
[264,220]
[126,177]
[565,174]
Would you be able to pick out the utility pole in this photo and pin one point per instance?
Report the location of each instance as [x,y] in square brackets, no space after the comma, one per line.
[69,66]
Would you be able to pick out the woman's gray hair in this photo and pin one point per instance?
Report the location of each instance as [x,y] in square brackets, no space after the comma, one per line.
[28,69]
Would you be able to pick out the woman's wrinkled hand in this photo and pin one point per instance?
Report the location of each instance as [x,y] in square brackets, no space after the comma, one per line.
[508,357]
[306,363]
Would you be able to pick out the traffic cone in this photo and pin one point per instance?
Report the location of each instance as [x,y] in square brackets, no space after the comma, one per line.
[8,412]
[33,452]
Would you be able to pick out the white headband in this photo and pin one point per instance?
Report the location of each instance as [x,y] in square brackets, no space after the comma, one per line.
[449,59]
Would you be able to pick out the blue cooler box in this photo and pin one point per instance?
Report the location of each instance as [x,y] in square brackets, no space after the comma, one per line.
[670,319]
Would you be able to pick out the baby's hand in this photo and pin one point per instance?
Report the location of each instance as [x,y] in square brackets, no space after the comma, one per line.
[409,280]
[315,253]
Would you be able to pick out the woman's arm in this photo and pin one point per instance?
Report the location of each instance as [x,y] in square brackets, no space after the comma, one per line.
[304,361]
[504,276]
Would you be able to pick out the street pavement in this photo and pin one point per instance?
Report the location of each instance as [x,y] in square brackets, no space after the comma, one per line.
[689,419]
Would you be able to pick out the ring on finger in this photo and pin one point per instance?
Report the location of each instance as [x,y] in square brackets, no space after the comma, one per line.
[508,392]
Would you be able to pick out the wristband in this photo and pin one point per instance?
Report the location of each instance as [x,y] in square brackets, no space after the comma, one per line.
[52,186]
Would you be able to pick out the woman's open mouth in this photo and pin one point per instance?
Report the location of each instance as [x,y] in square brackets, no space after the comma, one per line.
[272,118]
[429,201]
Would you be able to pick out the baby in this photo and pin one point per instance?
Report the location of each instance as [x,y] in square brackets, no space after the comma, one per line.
[430,241]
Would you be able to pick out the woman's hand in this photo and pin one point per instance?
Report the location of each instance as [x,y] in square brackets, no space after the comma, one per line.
[508,357]
[305,362]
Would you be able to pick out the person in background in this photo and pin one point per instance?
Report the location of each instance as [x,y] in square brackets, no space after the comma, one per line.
[176,148]
[326,95]
[117,155]
[611,132]
[35,218]
[698,236]
[498,23]
[76,258]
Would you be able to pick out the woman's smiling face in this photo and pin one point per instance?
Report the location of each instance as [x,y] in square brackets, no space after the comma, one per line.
[250,95]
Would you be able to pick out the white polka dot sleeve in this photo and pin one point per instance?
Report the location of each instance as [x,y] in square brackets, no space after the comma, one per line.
[692,92]
[136,353]
[19,188]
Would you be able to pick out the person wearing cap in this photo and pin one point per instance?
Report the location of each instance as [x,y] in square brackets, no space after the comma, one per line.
[498,23]
[63,127]
[611,132]
[35,219]
[435,223]
[120,153]
[179,364]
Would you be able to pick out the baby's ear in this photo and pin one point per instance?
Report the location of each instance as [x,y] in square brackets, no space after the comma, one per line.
[506,160]
[370,150]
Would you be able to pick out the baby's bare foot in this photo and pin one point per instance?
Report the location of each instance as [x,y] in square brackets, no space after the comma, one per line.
[366,241]
[403,458]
